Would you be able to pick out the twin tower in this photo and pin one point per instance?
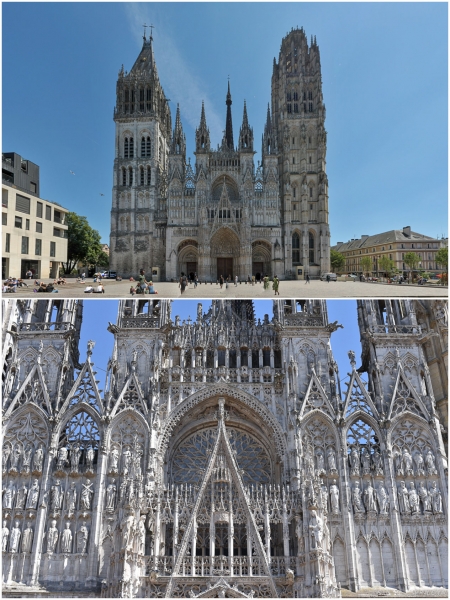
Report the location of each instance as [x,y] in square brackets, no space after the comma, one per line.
[223,215]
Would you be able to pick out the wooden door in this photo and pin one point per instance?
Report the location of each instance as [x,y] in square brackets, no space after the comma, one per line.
[191,268]
[225,267]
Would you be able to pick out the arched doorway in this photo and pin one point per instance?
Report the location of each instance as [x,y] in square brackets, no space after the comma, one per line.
[261,259]
[188,258]
[225,251]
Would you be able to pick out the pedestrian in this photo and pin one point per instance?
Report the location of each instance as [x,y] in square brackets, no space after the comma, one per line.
[328,279]
[195,280]
[29,274]
[221,281]
[276,285]
[235,281]
[142,282]
[266,282]
[183,282]
[249,279]
[253,280]
[307,279]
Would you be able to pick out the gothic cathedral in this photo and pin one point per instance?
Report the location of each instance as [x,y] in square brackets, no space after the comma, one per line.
[223,458]
[222,216]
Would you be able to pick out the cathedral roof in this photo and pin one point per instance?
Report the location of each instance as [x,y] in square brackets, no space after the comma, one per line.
[145,62]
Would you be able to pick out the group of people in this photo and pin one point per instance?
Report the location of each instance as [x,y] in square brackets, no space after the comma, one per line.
[12,283]
[183,282]
[142,285]
[99,289]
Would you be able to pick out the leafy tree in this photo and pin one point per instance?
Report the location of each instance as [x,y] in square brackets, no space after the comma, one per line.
[102,260]
[337,260]
[83,242]
[442,260]
[366,264]
[387,265]
[412,260]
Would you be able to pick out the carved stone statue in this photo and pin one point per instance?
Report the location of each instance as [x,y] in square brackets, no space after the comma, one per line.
[420,465]
[114,460]
[66,540]
[14,538]
[141,535]
[71,497]
[75,453]
[383,500]
[365,461]
[316,530]
[430,463]
[5,536]
[26,462]
[126,460]
[90,455]
[377,463]
[407,462]
[425,498]
[403,499]
[309,463]
[300,539]
[82,538]
[334,498]
[56,496]
[111,492]
[15,458]
[21,496]
[323,499]
[38,459]
[369,499]
[436,498]
[320,462]
[62,458]
[86,495]
[33,494]
[52,537]
[331,460]
[413,499]
[354,461]
[356,498]
[5,456]
[27,538]
[398,464]
[8,495]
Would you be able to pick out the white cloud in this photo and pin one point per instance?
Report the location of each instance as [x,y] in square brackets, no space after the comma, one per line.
[179,82]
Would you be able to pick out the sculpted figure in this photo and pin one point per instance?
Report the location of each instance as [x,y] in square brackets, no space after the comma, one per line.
[377,463]
[369,499]
[300,540]
[126,460]
[111,492]
[383,500]
[33,494]
[316,529]
[52,537]
[62,458]
[127,531]
[430,463]
[21,496]
[26,462]
[398,464]
[66,540]
[309,463]
[413,499]
[15,457]
[420,465]
[75,453]
[5,457]
[425,498]
[71,497]
[38,459]
[15,538]
[90,455]
[436,498]
[82,539]
[123,490]
[27,539]
[331,459]
[114,460]
[141,535]
[86,495]
[8,495]
[320,462]
[407,462]
[365,461]
[356,498]
[403,499]
[354,461]
[56,497]
[334,497]
[324,498]
[5,536]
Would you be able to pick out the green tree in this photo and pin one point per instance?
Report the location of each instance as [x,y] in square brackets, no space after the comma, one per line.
[102,260]
[387,265]
[83,242]
[366,264]
[412,260]
[442,261]
[337,261]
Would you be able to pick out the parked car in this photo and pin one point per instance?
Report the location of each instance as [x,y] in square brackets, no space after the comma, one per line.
[332,276]
[111,274]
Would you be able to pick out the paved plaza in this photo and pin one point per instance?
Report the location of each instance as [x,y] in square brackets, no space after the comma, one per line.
[288,289]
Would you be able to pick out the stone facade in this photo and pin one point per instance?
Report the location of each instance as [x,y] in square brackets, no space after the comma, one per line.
[222,459]
[222,216]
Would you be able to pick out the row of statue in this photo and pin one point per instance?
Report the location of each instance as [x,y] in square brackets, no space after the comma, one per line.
[57,496]
[363,463]
[409,500]
[130,462]
[70,457]
[417,464]
[20,497]
[11,540]
[317,467]
[370,500]
[20,458]
[52,534]
[133,534]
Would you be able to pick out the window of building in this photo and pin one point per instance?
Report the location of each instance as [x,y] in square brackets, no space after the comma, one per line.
[309,140]
[149,175]
[53,249]
[48,212]
[244,358]
[310,192]
[277,359]
[294,191]
[311,248]
[232,359]
[289,108]
[38,247]
[296,107]
[7,242]
[266,358]
[130,176]
[7,176]
[124,177]
[25,241]
[18,222]
[4,198]
[57,216]
[22,204]
[131,148]
[293,160]
[255,359]
[33,187]
[141,176]
[4,219]
[310,107]
[27,224]
[220,358]
[149,99]
[57,232]
[295,249]
[39,210]
[310,95]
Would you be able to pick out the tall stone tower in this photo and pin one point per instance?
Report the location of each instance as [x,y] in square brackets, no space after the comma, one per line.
[297,125]
[143,136]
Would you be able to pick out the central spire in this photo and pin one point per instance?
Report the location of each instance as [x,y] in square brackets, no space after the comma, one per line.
[229,125]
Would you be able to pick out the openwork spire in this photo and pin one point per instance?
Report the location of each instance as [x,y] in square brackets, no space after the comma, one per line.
[202,139]
[228,140]
[178,137]
[246,133]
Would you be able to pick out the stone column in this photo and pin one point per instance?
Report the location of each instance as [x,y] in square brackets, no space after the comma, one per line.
[175,525]
[231,530]
[249,548]
[97,512]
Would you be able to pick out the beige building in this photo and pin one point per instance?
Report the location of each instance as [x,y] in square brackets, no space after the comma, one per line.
[394,244]
[34,230]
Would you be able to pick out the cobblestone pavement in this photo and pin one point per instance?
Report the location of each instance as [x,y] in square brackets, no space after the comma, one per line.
[288,289]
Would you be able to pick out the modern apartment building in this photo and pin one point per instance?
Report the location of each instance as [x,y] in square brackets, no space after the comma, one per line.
[34,230]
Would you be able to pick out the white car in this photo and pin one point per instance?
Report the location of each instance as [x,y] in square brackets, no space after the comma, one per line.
[332,276]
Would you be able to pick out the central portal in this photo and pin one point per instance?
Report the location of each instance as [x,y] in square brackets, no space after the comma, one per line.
[225,268]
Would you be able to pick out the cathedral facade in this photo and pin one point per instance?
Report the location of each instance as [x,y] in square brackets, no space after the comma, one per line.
[222,215]
[222,459]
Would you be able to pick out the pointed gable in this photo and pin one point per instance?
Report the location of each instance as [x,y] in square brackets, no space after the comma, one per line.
[406,399]
[316,399]
[85,390]
[357,398]
[33,390]
[131,397]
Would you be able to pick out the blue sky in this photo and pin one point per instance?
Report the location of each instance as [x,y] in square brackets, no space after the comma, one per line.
[384,69]
[97,314]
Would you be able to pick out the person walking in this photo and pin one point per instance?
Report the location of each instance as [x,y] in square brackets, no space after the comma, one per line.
[307,279]
[221,281]
[183,282]
[235,281]
[328,279]
[195,280]
[276,285]
[266,282]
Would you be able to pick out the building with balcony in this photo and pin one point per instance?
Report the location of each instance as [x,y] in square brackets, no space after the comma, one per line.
[394,244]
[34,230]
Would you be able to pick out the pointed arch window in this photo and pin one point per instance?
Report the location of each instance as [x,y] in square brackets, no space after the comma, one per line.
[141,176]
[295,249]
[149,99]
[149,175]
[146,147]
[126,148]
[131,148]
[141,99]
[130,176]
[312,244]
[80,433]
[124,177]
